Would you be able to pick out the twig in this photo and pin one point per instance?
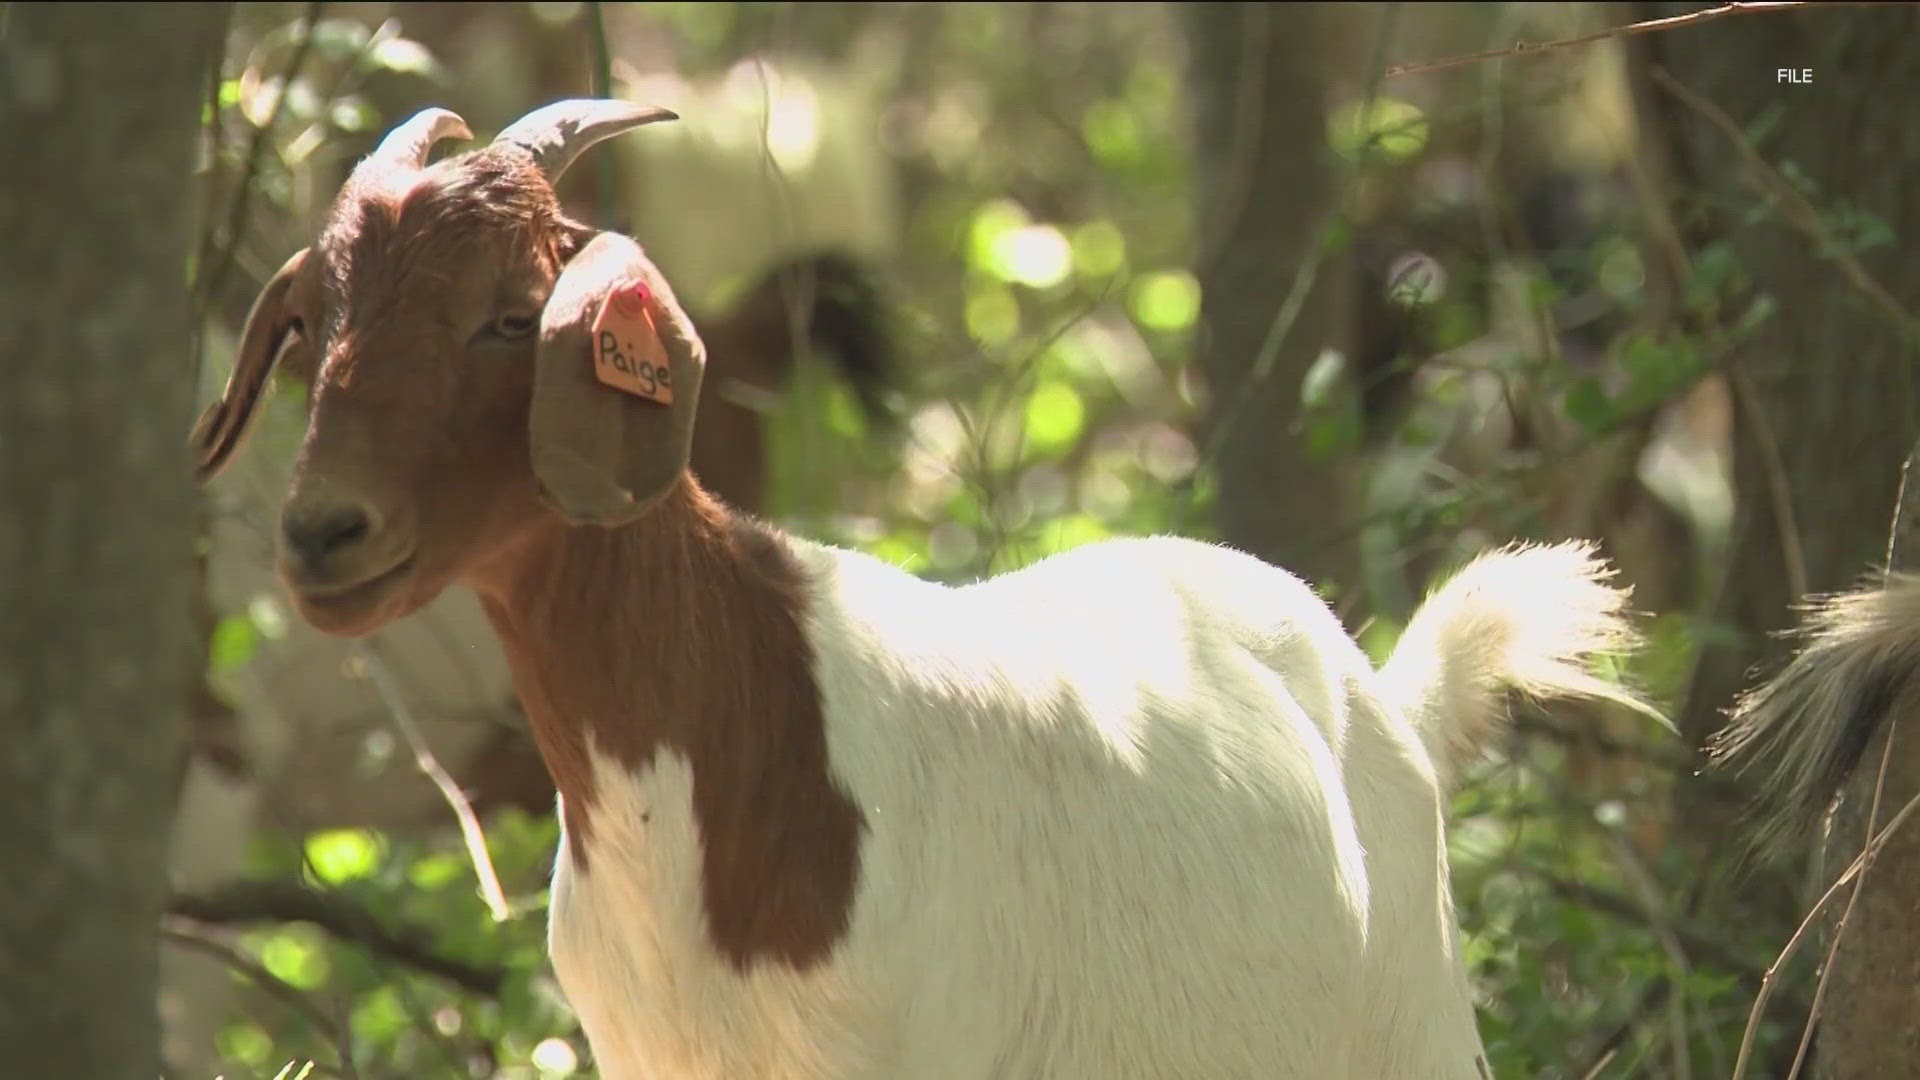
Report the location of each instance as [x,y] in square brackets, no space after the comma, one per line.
[1281,326]
[1767,980]
[1606,902]
[1896,534]
[1846,913]
[600,79]
[275,902]
[176,930]
[1653,997]
[476,838]
[422,1019]
[1779,488]
[210,274]
[1661,922]
[1674,22]
[1802,212]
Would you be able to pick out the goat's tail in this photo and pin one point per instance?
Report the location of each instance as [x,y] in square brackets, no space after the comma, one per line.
[1527,619]
[1811,723]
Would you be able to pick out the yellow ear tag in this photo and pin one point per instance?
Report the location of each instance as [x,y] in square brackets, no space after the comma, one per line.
[627,354]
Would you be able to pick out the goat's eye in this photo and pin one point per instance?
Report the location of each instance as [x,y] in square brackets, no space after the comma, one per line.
[514,325]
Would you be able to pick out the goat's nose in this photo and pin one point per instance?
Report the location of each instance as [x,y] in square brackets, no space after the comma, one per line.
[315,535]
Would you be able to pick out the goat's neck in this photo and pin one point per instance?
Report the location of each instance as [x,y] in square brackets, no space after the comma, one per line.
[684,632]
[679,630]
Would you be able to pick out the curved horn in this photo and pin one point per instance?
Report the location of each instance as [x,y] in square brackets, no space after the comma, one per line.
[409,143]
[556,134]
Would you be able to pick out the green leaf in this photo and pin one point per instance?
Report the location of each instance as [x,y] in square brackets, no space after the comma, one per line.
[232,643]
[1394,129]
[1099,250]
[1169,300]
[294,959]
[1070,532]
[1055,416]
[342,855]
[991,221]
[1112,132]
[435,871]
[1759,311]
[245,1042]
[1587,404]
[993,315]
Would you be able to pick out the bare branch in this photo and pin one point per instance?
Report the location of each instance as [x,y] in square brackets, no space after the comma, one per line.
[1800,212]
[210,273]
[470,831]
[1899,538]
[178,932]
[1793,943]
[252,902]
[1696,942]
[1675,22]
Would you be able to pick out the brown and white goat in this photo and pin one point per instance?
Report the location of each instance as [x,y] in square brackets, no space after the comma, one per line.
[1140,810]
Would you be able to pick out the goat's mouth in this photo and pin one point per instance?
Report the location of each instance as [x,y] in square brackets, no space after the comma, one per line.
[345,598]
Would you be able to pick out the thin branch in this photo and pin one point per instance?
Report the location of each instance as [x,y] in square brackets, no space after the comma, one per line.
[1607,902]
[179,932]
[214,271]
[475,837]
[1801,212]
[247,903]
[1675,22]
[1846,914]
[1779,488]
[1806,924]
[1305,274]
[1661,922]
[1897,535]
[210,274]
[1653,997]
[601,84]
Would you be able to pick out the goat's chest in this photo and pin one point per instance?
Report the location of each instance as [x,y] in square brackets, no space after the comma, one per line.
[630,945]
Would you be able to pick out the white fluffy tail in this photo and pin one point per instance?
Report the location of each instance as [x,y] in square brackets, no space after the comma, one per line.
[1526,619]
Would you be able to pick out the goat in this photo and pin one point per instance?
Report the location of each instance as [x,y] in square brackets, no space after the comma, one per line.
[1809,725]
[1142,809]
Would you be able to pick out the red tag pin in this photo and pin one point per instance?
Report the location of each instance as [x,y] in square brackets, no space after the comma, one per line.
[627,354]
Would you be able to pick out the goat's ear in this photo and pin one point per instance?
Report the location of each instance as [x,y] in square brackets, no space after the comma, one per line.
[225,423]
[604,454]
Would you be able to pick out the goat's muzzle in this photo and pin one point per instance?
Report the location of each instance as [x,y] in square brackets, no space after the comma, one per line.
[342,562]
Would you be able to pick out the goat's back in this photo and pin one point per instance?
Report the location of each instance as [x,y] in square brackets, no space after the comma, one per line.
[1131,812]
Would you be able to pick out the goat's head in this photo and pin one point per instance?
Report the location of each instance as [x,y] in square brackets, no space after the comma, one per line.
[445,321]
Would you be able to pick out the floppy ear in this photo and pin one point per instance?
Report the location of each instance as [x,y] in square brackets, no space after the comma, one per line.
[225,423]
[603,454]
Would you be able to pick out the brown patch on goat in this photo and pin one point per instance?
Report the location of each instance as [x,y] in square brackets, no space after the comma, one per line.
[684,632]
[681,631]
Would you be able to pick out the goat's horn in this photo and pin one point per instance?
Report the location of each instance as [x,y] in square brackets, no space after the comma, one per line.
[409,143]
[556,134]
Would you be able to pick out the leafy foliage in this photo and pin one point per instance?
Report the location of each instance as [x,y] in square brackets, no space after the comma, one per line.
[1050,307]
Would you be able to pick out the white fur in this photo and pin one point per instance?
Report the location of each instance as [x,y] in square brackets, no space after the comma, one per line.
[1138,811]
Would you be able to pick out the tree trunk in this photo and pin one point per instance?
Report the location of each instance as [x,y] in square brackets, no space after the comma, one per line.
[1265,189]
[1828,409]
[98,107]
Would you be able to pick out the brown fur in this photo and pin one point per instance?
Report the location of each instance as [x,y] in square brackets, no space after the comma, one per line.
[683,632]
[680,631]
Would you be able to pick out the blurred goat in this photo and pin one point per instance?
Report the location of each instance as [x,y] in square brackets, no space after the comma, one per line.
[1140,810]
[1810,724]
